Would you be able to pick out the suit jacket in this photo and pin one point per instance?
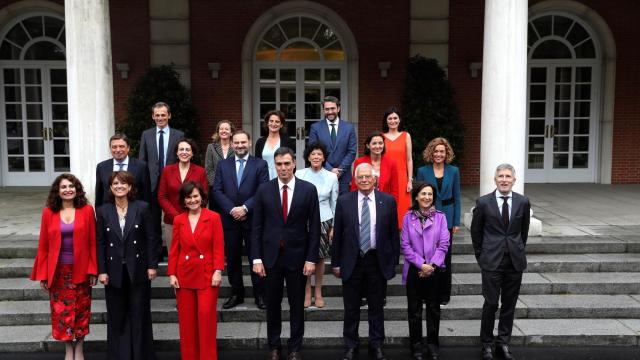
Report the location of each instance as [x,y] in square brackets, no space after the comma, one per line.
[345,248]
[213,157]
[450,189]
[228,195]
[84,245]
[285,141]
[149,152]
[490,237]
[138,243]
[388,179]
[194,256]
[297,239]
[343,153]
[169,188]
[426,244]
[137,168]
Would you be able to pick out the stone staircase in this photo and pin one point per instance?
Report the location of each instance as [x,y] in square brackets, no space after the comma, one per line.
[577,291]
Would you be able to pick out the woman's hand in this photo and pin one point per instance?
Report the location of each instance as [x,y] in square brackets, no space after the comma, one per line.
[173,281]
[426,270]
[409,185]
[216,279]
[104,279]
[44,286]
[93,280]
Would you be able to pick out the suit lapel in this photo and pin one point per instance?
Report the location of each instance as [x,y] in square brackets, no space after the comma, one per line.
[113,217]
[515,206]
[379,207]
[247,167]
[324,131]
[231,165]
[203,221]
[154,146]
[130,219]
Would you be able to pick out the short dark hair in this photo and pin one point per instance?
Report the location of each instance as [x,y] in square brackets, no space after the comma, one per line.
[119,136]
[310,148]
[367,151]
[240,131]
[160,104]
[417,187]
[187,188]
[283,150]
[127,178]
[391,110]
[332,99]
[194,146]
[54,201]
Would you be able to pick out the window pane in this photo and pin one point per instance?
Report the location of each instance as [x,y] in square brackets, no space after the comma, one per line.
[562,109]
[312,95]
[59,77]
[577,34]
[561,25]
[538,75]
[582,108]
[536,127]
[59,93]
[14,129]
[291,27]
[34,111]
[59,112]
[61,147]
[287,94]
[325,36]
[36,164]
[265,52]
[581,143]
[12,94]
[34,26]
[581,126]
[9,51]
[308,27]
[543,25]
[44,50]
[560,161]
[60,129]
[34,128]
[332,92]
[563,92]
[538,92]
[551,49]
[274,36]
[536,161]
[561,127]
[312,75]
[312,111]
[585,50]
[52,26]
[583,92]
[288,75]
[15,147]
[17,35]
[536,144]
[32,76]
[13,111]
[265,108]
[16,164]
[289,110]
[267,94]
[11,76]
[563,74]
[332,75]
[583,74]
[532,37]
[300,51]
[33,93]
[36,147]
[561,144]
[61,164]
[334,52]
[536,109]
[580,161]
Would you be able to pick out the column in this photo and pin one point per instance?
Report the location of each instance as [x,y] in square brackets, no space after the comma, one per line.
[90,86]
[504,90]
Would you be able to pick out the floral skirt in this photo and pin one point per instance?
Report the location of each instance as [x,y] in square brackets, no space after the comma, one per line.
[70,305]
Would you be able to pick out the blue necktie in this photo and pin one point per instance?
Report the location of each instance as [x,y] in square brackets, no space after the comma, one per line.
[365,227]
[240,171]
[161,151]
[120,166]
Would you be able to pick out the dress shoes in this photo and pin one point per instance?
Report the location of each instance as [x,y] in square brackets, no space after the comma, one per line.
[363,302]
[434,351]
[274,355]
[503,352]
[260,303]
[377,354]
[294,355]
[487,352]
[350,354]
[232,301]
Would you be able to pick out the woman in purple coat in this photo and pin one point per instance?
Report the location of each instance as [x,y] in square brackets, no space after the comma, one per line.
[424,244]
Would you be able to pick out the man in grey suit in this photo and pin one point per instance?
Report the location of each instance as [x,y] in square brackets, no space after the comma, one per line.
[499,232]
[157,150]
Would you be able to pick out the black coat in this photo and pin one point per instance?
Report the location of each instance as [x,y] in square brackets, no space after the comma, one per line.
[285,141]
[136,167]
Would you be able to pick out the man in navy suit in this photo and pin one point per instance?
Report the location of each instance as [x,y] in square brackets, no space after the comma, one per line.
[499,231]
[236,182]
[339,137]
[120,161]
[156,149]
[285,240]
[364,253]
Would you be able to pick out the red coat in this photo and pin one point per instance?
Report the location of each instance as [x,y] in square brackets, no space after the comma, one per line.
[84,245]
[387,182]
[169,188]
[194,256]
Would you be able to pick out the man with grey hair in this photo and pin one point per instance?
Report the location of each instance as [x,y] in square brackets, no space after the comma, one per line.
[499,234]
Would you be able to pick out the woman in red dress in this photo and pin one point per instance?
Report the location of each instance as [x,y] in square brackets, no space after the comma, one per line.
[196,261]
[384,168]
[66,261]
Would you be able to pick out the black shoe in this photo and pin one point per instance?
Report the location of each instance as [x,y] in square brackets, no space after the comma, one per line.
[444,302]
[350,354]
[363,302]
[376,353]
[232,301]
[434,351]
[416,351]
[260,303]
[274,355]
[487,352]
[503,352]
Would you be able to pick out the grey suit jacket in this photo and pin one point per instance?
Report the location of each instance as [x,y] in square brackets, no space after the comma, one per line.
[490,237]
[149,152]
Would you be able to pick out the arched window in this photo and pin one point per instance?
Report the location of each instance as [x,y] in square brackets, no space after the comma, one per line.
[34,38]
[559,37]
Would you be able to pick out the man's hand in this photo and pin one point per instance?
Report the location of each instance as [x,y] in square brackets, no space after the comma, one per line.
[336,272]
[426,270]
[259,269]
[103,279]
[152,274]
[238,213]
[309,269]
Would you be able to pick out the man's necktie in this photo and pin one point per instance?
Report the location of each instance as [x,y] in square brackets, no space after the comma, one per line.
[161,151]
[365,227]
[285,203]
[333,135]
[240,171]
[505,211]
[120,166]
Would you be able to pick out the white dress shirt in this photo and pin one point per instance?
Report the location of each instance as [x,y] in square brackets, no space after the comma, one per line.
[500,201]
[336,123]
[372,215]
[290,188]
[124,162]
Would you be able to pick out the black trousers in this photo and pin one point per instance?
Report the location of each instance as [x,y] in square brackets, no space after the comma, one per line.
[367,281]
[233,240]
[129,332]
[156,216]
[419,291]
[503,284]
[444,287]
[274,286]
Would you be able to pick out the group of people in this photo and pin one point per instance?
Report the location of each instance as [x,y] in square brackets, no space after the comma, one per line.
[288,221]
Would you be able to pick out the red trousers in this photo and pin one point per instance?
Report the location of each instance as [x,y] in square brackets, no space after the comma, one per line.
[198,323]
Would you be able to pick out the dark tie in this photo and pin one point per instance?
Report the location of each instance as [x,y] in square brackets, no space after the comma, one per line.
[505,211]
[285,203]
[240,171]
[333,134]
[365,227]
[120,166]
[161,151]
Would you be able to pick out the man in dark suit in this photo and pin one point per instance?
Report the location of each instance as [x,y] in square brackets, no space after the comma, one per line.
[120,161]
[285,240]
[364,253]
[499,232]
[236,182]
[156,149]
[339,137]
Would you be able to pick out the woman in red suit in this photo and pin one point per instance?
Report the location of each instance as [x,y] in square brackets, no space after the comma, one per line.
[196,260]
[384,168]
[66,261]
[173,176]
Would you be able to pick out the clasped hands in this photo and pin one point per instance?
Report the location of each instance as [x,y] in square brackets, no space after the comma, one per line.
[239,213]
[426,271]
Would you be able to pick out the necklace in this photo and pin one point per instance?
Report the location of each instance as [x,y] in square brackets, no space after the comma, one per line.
[123,210]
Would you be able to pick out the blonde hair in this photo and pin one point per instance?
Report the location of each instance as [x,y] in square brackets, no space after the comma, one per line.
[216,137]
[427,154]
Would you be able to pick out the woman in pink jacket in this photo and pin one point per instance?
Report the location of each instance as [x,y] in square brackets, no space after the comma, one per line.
[425,240]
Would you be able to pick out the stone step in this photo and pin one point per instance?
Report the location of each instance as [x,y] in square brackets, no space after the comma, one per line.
[464,307]
[595,283]
[323,334]
[607,262]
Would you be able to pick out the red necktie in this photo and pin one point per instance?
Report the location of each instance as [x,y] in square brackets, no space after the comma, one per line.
[285,203]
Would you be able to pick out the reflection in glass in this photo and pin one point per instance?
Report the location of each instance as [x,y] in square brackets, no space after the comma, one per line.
[334,52]
[275,36]
[288,75]
[562,109]
[325,36]
[34,26]
[308,27]
[265,52]
[536,161]
[300,51]
[561,144]
[551,49]
[311,75]
[560,161]
[332,92]
[16,164]
[52,26]
[582,108]
[585,50]
[33,93]
[291,27]
[17,35]
[577,34]
[583,92]
[332,75]
[312,111]
[536,143]
[312,95]
[563,74]
[14,129]
[32,76]
[44,50]
[289,110]
[563,92]
[583,74]
[15,147]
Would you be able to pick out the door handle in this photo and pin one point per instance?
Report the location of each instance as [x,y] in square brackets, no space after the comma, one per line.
[50,133]
[44,133]
[552,130]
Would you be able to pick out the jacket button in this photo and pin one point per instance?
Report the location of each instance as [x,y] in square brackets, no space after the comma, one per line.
[137,255]
[187,257]
[110,244]
[136,226]
[135,242]
[110,257]
[201,256]
[108,229]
